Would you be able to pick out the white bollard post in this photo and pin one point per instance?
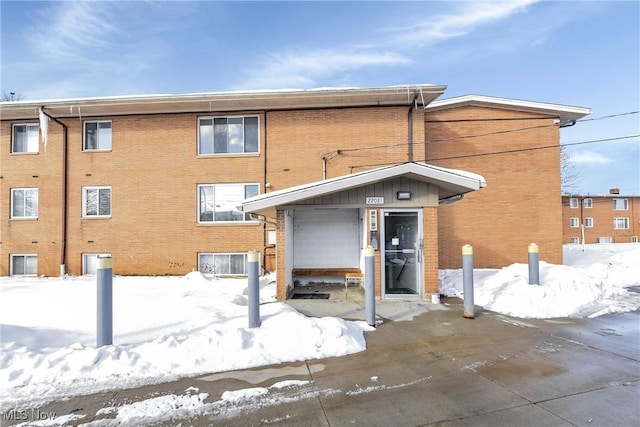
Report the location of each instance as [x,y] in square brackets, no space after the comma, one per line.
[104,278]
[254,289]
[467,281]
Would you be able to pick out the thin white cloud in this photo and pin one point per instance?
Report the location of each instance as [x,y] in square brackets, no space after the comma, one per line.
[309,69]
[462,21]
[73,31]
[590,158]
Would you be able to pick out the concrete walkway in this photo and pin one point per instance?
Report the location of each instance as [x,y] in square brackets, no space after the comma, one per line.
[437,369]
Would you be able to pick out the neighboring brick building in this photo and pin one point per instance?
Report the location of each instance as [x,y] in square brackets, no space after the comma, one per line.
[156,180]
[609,218]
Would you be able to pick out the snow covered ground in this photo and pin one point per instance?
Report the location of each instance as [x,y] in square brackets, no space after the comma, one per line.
[170,327]
[591,283]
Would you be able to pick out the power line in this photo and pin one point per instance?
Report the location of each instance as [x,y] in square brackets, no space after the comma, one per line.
[519,150]
[330,155]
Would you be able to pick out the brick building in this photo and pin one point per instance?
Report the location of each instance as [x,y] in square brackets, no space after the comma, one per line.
[156,181]
[608,218]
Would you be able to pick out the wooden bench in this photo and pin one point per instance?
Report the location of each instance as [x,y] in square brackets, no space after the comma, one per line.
[350,274]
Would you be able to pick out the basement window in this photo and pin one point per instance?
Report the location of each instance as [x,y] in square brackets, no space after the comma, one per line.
[225,264]
[24,265]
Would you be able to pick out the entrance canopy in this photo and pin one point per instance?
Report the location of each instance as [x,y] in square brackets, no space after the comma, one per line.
[452,184]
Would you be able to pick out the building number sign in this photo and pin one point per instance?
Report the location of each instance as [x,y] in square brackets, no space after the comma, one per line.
[374,200]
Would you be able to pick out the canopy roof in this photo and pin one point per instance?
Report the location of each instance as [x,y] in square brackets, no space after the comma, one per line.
[450,182]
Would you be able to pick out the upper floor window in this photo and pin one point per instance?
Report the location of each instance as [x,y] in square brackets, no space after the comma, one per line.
[588,222]
[620,204]
[24,203]
[26,138]
[97,136]
[587,203]
[573,203]
[620,223]
[96,202]
[574,222]
[227,135]
[219,202]
[24,265]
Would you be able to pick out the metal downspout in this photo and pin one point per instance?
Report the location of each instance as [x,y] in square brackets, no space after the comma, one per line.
[65,183]
[410,124]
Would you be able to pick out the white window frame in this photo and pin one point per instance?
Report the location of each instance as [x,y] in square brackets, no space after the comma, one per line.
[573,203]
[634,239]
[574,240]
[620,221]
[604,239]
[98,136]
[574,222]
[202,202]
[33,145]
[213,142]
[24,203]
[84,201]
[211,269]
[12,271]
[588,222]
[587,203]
[625,203]
[89,262]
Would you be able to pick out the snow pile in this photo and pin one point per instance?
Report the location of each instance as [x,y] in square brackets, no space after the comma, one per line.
[164,328]
[170,327]
[593,282]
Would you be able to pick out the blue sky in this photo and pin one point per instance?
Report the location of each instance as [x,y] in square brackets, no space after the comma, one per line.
[585,54]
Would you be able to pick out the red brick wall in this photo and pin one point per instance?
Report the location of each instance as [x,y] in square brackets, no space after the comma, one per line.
[521,203]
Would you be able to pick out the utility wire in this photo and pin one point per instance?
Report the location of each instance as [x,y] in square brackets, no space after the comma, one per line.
[332,154]
[519,150]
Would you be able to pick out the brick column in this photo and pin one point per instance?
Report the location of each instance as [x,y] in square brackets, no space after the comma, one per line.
[430,233]
[281,280]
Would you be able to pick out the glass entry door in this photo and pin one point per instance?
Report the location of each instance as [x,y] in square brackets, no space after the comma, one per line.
[402,253]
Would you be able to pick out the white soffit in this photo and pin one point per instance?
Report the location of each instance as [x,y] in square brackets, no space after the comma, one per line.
[566,113]
[451,182]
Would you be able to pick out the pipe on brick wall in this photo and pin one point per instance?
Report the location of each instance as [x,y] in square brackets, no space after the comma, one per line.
[410,131]
[65,182]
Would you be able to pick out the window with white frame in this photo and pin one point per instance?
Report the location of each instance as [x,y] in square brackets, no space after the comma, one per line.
[587,203]
[223,263]
[573,203]
[606,239]
[26,138]
[96,202]
[620,204]
[588,222]
[97,136]
[24,203]
[24,265]
[620,223]
[574,240]
[574,222]
[228,135]
[89,263]
[219,202]
[634,239]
